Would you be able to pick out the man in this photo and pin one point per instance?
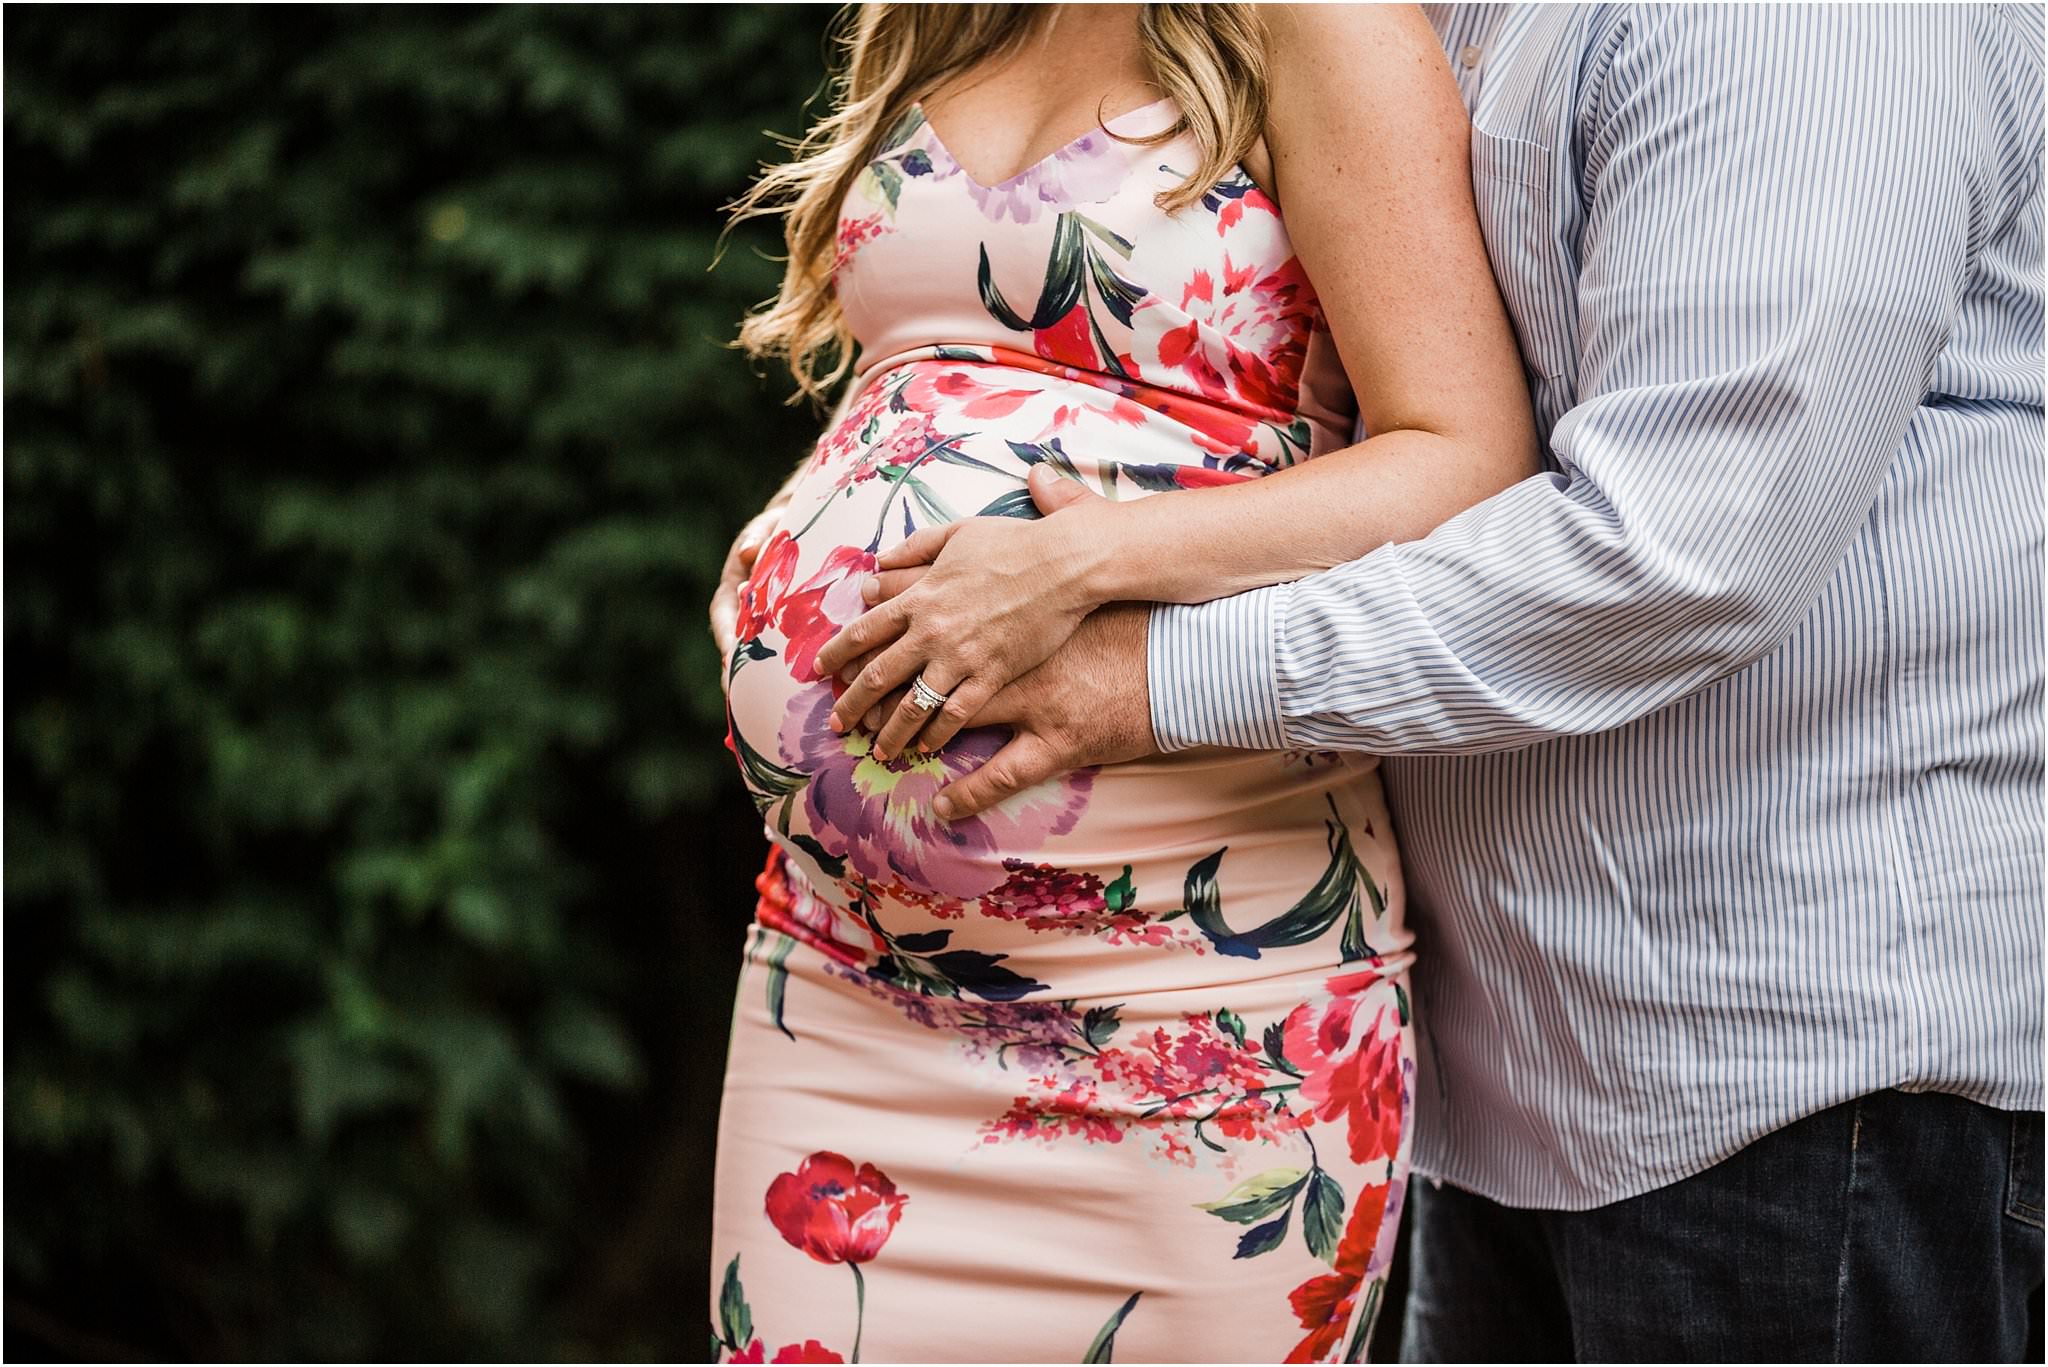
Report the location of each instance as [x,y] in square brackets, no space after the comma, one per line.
[1716,751]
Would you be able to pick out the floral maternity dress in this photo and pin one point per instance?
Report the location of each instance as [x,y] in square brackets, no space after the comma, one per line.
[1120,1069]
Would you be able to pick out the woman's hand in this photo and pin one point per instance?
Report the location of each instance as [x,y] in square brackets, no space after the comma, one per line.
[969,607]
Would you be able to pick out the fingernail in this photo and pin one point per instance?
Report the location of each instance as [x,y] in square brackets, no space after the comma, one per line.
[943,805]
[883,755]
[848,674]
[838,726]
[870,589]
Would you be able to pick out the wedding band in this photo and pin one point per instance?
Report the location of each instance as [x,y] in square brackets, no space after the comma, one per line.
[923,697]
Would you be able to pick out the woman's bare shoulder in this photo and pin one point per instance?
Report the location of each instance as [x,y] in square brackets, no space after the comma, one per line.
[1338,63]
[1356,83]
[1336,40]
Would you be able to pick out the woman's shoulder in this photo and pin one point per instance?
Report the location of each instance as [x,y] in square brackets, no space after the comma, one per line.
[1337,64]
[1351,78]
[1343,42]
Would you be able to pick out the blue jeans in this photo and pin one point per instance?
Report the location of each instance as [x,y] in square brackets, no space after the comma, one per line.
[1900,1227]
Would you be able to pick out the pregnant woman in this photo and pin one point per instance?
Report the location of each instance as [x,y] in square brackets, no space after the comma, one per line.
[1121,1066]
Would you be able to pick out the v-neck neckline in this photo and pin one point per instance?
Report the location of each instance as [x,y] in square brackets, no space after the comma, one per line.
[1069,145]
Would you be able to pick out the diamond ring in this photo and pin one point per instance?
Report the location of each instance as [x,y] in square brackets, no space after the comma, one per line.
[924,697]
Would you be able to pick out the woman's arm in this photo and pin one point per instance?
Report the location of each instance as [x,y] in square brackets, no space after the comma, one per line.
[1368,156]
[1370,164]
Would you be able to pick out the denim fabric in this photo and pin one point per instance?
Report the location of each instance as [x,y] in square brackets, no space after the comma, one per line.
[1900,1227]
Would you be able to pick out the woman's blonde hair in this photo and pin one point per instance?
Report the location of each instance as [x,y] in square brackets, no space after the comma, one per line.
[1209,57]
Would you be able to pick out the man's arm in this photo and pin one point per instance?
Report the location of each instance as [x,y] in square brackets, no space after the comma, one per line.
[1787,207]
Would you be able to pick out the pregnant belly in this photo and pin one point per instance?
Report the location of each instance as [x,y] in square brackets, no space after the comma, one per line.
[925,445]
[1110,853]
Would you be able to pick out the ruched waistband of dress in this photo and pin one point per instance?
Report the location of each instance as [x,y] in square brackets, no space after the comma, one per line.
[1165,400]
[980,353]
[784,890]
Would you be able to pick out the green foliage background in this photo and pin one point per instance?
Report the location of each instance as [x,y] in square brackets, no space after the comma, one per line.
[374,866]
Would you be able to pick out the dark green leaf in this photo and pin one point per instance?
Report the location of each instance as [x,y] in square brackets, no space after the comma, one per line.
[1015,503]
[1231,1024]
[1322,1215]
[889,180]
[1334,894]
[1203,901]
[1099,1025]
[1263,1238]
[734,1316]
[1063,267]
[1368,1313]
[778,982]
[1156,479]
[1276,1048]
[992,298]
[1119,296]
[1104,1346]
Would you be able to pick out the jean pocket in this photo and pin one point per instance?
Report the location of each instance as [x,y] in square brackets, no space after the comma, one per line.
[2023,1176]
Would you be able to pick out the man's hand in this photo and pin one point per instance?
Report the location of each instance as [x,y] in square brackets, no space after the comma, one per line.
[739,563]
[1088,704]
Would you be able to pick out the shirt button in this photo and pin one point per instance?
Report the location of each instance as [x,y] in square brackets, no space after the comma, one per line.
[1470,56]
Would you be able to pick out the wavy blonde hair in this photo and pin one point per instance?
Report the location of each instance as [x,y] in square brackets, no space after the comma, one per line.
[1209,57]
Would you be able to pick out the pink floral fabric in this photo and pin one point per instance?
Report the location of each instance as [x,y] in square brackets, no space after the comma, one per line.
[1122,1067]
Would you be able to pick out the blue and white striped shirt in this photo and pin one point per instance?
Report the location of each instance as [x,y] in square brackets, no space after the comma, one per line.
[1716,749]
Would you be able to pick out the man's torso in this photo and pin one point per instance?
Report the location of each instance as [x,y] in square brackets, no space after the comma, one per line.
[1815,878]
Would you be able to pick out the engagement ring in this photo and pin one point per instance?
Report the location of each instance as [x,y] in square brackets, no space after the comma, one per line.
[923,697]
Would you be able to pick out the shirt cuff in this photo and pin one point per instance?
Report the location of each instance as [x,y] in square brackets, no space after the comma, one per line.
[1210,669]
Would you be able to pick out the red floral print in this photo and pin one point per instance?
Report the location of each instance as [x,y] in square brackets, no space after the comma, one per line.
[846,439]
[810,1350]
[1197,1071]
[1046,898]
[1070,341]
[1324,1304]
[834,1211]
[1240,341]
[1350,1074]
[762,594]
[854,233]
[1165,1082]
[901,445]
[1074,1110]
[789,905]
[828,600]
[901,894]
